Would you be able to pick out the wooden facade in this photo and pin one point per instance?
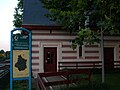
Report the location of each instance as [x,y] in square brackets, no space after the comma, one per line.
[60,39]
[45,34]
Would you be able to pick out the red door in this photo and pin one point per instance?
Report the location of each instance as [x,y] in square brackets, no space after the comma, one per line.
[109,57]
[50,59]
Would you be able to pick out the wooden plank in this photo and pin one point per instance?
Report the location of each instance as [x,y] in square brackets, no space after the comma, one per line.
[40,83]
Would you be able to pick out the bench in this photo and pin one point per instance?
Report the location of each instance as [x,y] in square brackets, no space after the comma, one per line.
[85,65]
[79,65]
[42,83]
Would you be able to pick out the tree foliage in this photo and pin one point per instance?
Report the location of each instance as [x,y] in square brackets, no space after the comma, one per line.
[2,52]
[7,54]
[85,17]
[4,55]
[18,14]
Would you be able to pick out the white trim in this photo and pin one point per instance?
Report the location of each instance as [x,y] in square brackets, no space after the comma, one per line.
[115,50]
[41,52]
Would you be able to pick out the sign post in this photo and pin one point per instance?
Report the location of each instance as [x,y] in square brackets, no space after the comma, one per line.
[20,60]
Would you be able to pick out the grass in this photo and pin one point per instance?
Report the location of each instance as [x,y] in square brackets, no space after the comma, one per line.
[4,81]
[112,82]
[20,85]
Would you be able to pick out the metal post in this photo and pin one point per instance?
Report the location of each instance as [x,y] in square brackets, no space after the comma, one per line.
[30,62]
[11,69]
[102,56]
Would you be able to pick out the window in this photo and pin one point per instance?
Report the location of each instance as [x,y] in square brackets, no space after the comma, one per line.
[80,51]
[50,57]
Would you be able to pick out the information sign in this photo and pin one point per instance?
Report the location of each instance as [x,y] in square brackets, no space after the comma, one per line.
[20,60]
[20,42]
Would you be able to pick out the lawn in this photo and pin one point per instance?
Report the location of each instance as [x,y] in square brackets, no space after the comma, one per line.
[112,82]
[20,85]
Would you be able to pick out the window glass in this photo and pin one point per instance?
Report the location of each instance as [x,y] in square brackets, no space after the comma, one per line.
[50,57]
[80,51]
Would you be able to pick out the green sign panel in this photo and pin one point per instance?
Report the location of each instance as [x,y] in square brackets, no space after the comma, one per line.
[20,42]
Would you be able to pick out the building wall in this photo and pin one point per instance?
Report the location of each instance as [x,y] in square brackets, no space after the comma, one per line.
[35,20]
[45,38]
[61,40]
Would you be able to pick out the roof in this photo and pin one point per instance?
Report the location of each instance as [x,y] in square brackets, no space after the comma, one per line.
[34,14]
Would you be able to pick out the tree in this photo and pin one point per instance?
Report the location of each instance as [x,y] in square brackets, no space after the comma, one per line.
[2,51]
[2,54]
[85,17]
[18,14]
[7,54]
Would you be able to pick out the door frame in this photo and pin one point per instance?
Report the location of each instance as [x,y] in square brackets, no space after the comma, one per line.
[114,48]
[43,44]
[44,57]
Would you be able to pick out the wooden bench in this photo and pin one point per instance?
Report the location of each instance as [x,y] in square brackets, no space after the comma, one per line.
[79,65]
[85,65]
[42,83]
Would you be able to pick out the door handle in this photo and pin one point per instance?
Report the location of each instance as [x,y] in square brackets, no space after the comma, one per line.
[45,61]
